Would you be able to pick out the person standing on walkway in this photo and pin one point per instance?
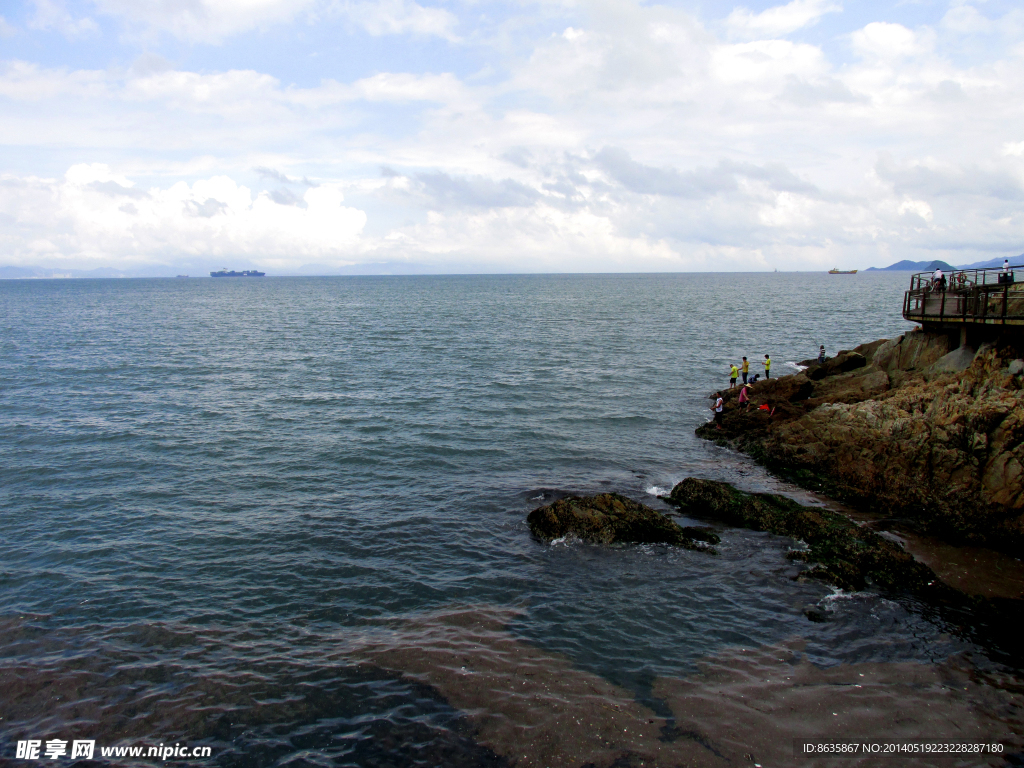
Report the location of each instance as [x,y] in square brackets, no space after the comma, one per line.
[734,373]
[767,367]
[745,369]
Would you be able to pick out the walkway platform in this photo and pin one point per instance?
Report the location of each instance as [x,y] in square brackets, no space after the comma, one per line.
[972,297]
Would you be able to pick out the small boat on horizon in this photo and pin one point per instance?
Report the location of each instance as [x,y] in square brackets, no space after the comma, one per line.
[837,271]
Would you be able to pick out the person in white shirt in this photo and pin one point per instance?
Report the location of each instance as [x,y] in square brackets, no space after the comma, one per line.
[718,407]
[1006,274]
[939,281]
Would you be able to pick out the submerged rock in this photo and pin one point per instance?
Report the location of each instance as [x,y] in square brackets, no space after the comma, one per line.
[608,518]
[842,553]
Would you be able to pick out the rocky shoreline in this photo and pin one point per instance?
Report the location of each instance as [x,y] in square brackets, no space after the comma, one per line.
[911,428]
[838,551]
[913,431]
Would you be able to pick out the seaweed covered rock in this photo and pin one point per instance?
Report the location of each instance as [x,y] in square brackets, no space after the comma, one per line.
[608,518]
[843,554]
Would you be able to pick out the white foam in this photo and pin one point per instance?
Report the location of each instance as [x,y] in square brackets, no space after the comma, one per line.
[566,541]
[656,490]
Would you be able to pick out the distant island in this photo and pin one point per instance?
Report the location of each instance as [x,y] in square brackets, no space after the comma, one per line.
[931,266]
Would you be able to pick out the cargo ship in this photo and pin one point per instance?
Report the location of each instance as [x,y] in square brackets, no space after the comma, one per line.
[243,273]
[837,271]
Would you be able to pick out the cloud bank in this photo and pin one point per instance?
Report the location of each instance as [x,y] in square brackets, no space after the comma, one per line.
[594,136]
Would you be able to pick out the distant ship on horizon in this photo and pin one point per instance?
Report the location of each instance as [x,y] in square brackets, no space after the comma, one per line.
[244,273]
[837,271]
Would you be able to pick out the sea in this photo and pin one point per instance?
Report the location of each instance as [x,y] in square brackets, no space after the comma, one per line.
[285,519]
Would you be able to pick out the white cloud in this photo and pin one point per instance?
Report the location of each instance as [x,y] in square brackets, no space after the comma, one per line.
[917,207]
[203,20]
[96,215]
[395,17]
[889,41]
[23,81]
[402,86]
[966,20]
[779,20]
[53,14]
[767,61]
[212,21]
[624,136]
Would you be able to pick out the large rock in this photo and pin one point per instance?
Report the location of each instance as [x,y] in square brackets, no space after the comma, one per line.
[918,432]
[841,363]
[911,351]
[608,518]
[851,387]
[843,554]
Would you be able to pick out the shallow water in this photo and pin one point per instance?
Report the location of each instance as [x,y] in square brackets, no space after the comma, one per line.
[280,469]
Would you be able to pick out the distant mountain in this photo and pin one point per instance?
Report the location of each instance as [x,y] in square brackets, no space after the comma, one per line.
[914,266]
[931,266]
[993,263]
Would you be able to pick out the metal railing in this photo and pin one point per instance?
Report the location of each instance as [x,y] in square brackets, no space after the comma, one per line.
[989,296]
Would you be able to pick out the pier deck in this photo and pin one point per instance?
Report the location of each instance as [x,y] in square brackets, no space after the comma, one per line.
[978,297]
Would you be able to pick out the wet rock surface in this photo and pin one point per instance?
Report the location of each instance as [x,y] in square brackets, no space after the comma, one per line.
[609,518]
[907,427]
[841,553]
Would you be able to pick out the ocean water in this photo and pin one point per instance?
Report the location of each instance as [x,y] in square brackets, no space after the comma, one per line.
[222,498]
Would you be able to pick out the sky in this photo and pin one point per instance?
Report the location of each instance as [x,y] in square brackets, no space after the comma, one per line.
[327,136]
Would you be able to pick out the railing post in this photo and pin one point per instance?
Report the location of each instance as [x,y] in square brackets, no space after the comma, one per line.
[1006,299]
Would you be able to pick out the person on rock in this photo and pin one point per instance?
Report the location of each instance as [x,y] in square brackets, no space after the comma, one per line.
[767,367]
[821,354]
[744,395]
[734,373]
[745,369]
[718,407]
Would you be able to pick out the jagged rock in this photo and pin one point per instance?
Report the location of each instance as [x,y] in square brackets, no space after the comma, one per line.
[608,518]
[901,435]
[842,553]
[1016,367]
[841,363]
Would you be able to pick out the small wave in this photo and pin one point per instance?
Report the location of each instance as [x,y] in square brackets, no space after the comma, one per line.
[839,594]
[656,490]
